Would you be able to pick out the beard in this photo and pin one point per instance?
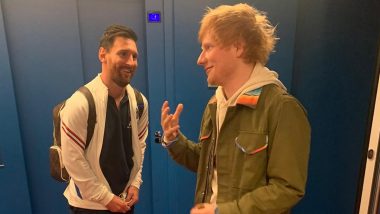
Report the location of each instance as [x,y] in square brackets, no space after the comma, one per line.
[123,76]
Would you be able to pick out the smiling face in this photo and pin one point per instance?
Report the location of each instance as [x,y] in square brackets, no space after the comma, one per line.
[119,64]
[218,62]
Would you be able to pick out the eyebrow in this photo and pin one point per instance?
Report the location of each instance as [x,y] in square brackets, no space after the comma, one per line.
[128,50]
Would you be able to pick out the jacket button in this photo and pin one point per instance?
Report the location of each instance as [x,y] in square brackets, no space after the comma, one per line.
[203,193]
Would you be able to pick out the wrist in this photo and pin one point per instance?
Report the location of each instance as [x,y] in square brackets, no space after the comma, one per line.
[166,142]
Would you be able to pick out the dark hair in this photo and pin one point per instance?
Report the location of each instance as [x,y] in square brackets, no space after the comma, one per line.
[113,31]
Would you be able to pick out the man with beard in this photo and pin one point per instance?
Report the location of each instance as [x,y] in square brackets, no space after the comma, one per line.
[254,141]
[106,174]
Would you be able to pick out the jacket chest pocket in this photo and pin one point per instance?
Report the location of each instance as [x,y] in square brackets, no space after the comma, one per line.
[251,143]
[250,160]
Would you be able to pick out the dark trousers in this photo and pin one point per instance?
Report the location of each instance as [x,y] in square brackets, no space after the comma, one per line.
[77,210]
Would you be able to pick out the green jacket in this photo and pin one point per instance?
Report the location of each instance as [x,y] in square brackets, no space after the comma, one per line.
[261,157]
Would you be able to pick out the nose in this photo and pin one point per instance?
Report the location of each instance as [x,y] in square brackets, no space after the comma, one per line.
[131,60]
[201,59]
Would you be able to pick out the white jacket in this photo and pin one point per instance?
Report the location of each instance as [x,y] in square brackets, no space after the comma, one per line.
[88,188]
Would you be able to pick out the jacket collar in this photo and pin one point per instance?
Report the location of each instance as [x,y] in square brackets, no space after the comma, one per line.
[249,98]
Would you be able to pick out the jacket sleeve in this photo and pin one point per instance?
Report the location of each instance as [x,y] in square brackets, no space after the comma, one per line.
[142,124]
[288,154]
[73,139]
[185,152]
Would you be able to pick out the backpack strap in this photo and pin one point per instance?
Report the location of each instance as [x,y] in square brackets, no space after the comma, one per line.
[91,113]
[57,123]
[140,102]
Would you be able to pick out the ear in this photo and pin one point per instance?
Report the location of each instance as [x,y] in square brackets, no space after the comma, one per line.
[239,49]
[102,55]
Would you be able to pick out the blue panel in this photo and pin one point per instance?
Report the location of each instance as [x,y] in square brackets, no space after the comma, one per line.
[13,179]
[334,69]
[157,91]
[44,50]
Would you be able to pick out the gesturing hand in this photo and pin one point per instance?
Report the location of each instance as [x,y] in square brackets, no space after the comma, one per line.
[170,122]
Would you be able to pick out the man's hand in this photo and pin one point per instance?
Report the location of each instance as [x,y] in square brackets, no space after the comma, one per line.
[118,205]
[205,208]
[132,196]
[170,122]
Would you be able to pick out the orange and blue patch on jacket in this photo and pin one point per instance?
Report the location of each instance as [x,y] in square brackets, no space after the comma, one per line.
[250,98]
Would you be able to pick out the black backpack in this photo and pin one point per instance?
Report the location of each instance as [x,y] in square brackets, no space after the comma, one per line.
[57,169]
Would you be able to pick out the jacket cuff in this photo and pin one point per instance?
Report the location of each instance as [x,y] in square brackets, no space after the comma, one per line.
[136,184]
[107,199]
[165,143]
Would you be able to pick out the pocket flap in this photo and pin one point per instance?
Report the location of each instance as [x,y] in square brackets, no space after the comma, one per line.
[251,143]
